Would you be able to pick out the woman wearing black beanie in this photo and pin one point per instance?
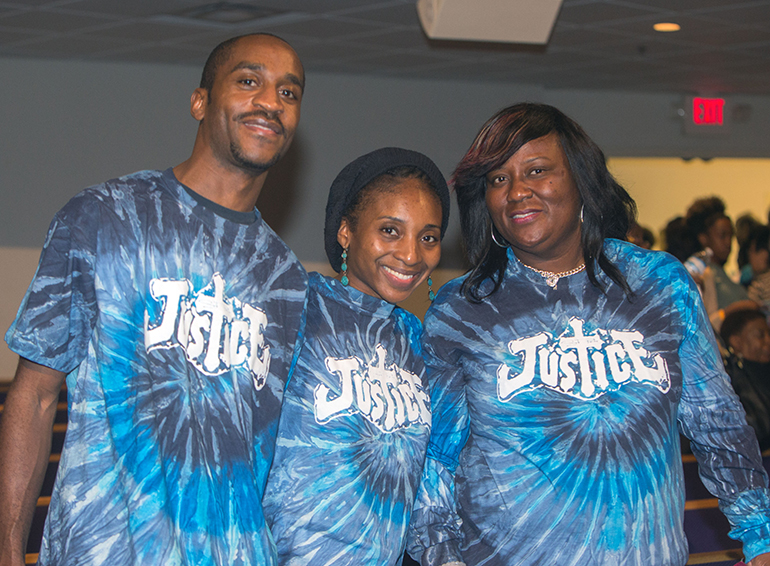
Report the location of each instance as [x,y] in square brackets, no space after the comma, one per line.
[356,414]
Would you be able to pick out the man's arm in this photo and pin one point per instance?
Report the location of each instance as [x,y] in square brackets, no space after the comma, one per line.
[25,445]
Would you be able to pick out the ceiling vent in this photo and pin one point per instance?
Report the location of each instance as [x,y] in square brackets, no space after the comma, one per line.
[505,21]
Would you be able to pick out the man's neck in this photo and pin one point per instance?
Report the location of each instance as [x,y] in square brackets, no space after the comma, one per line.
[232,188]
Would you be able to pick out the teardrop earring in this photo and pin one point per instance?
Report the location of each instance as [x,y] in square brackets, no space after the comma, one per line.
[431,294]
[344,267]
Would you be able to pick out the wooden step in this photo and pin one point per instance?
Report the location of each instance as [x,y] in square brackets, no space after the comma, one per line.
[733,555]
[695,504]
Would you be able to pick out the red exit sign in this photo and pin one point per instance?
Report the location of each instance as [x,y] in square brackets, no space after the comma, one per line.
[706,115]
[708,111]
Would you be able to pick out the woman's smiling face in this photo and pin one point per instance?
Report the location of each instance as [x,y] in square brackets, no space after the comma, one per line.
[535,205]
[394,243]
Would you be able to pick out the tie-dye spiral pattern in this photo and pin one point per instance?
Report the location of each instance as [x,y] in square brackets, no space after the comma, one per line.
[556,420]
[178,327]
[354,427]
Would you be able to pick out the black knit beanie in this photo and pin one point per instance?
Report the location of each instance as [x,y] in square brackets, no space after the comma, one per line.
[358,174]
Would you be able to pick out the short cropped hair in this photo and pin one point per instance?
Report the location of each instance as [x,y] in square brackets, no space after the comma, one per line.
[735,322]
[220,54]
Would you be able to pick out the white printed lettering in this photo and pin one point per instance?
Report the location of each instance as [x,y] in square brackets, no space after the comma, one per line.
[216,332]
[580,364]
[388,396]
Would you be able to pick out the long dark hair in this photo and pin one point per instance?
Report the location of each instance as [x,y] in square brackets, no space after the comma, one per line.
[607,207]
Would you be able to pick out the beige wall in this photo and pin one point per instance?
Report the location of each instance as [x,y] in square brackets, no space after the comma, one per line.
[17,266]
[664,187]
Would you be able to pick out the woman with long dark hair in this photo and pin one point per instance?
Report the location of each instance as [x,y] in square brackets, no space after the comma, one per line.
[562,368]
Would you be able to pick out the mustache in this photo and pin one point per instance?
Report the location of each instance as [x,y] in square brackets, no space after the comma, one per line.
[271,117]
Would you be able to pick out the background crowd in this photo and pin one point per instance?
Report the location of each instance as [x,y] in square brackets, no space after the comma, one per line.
[738,303]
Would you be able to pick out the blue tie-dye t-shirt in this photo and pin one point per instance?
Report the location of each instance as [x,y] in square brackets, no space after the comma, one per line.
[178,327]
[354,427]
[556,420]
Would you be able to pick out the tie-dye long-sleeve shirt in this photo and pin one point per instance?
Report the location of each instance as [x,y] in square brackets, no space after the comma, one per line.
[556,420]
[177,327]
[354,427]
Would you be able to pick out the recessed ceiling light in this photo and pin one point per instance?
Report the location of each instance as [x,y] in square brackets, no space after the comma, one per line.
[666,26]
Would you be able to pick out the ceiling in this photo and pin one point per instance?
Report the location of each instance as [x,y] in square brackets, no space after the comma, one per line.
[723,46]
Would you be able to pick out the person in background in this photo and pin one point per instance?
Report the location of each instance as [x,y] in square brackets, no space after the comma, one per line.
[648,238]
[640,236]
[562,368]
[744,226]
[713,229]
[172,310]
[759,259]
[679,241]
[356,416]
[747,337]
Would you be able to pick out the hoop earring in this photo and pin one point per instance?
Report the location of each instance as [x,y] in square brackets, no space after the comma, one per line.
[344,267]
[492,231]
[431,294]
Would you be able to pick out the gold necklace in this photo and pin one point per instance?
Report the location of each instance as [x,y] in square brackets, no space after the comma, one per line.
[551,278]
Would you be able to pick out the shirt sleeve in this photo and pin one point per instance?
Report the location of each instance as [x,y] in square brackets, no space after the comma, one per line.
[711,416]
[435,530]
[695,266]
[56,318]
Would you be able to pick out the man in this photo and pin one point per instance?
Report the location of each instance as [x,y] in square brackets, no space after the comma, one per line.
[175,310]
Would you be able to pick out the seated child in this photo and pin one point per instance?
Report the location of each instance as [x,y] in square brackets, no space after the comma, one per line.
[747,337]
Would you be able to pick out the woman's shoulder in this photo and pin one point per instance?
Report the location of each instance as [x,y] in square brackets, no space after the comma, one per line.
[450,294]
[630,257]
[452,309]
[318,281]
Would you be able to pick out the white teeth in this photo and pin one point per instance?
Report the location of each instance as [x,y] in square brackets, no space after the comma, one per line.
[398,275]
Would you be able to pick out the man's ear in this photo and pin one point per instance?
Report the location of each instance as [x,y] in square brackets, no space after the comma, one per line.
[198,103]
[343,234]
[703,239]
